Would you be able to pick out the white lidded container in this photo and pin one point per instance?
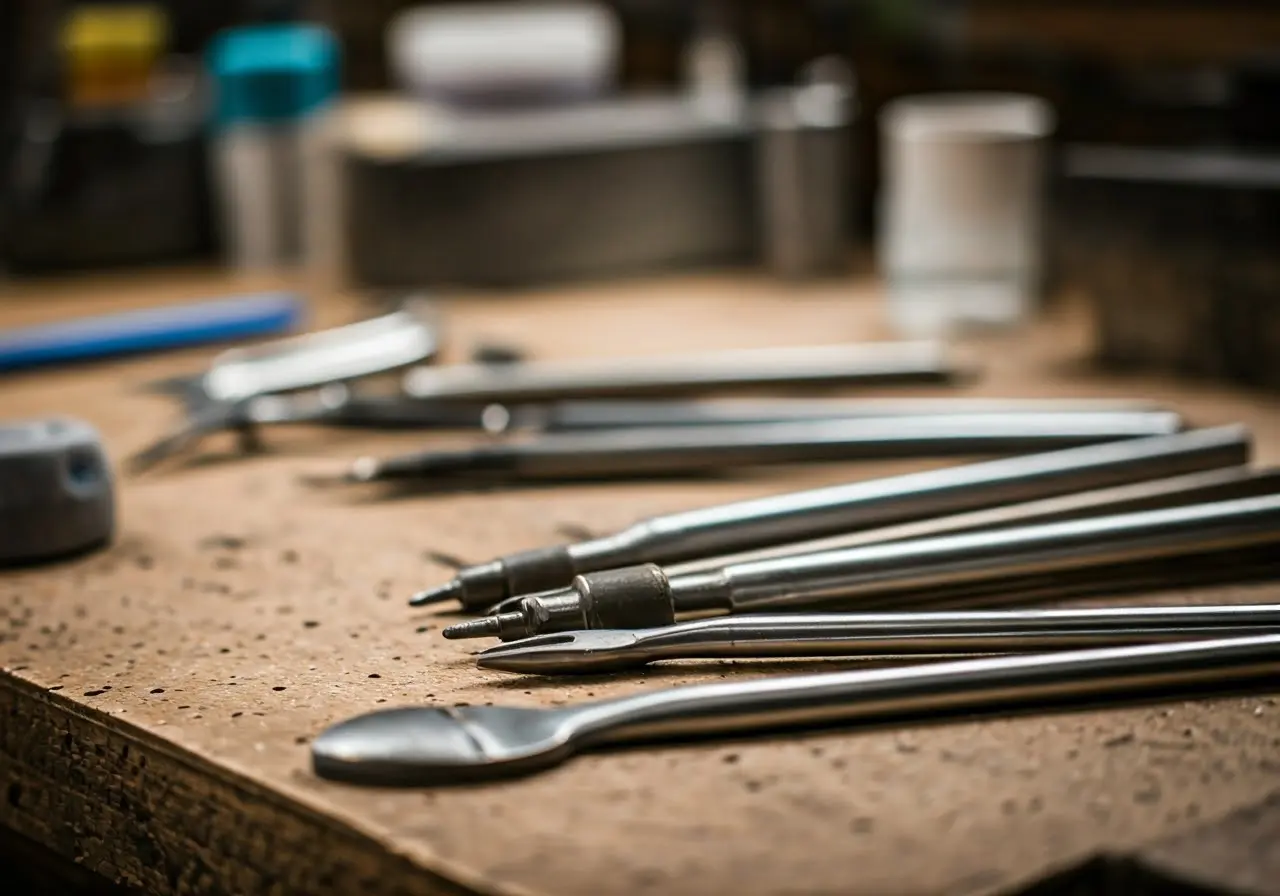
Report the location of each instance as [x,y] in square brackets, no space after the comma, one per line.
[273,175]
[504,54]
[961,209]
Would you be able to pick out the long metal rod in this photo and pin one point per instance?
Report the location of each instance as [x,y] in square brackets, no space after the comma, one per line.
[436,745]
[859,364]
[576,416]
[1260,563]
[870,504]
[978,684]
[876,634]
[1194,488]
[335,404]
[643,596]
[696,449]
[984,556]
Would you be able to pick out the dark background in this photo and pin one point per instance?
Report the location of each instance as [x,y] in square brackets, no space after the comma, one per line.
[1148,72]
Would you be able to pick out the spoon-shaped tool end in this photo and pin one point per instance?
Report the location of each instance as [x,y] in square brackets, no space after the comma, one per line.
[418,746]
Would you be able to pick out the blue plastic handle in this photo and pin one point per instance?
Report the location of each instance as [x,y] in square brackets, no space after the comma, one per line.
[151,330]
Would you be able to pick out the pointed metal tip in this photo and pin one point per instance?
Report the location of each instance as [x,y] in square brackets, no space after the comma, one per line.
[451,590]
[488,627]
[364,469]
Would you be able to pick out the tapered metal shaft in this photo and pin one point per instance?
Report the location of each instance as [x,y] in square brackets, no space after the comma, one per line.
[845,508]
[870,504]
[672,375]
[644,596]
[876,634]
[439,745]
[699,449]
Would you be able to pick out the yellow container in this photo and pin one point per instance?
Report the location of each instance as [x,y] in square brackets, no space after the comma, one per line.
[111,51]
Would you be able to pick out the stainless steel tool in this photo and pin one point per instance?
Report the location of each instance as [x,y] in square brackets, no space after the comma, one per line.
[1177,491]
[573,416]
[242,387]
[377,345]
[1199,570]
[875,634]
[645,596]
[884,363]
[700,449]
[447,745]
[337,404]
[870,504]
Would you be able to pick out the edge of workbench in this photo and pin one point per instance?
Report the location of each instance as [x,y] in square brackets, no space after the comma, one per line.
[72,773]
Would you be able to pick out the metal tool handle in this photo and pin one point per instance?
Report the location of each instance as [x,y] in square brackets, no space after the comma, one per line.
[862,364]
[973,631]
[714,447]
[1260,563]
[870,504]
[1212,485]
[849,507]
[1195,488]
[356,350]
[930,690]
[694,449]
[336,405]
[577,416]
[812,579]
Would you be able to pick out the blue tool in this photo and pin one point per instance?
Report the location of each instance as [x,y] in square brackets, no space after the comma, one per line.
[151,329]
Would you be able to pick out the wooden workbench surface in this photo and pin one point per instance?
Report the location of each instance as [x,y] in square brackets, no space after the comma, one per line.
[157,698]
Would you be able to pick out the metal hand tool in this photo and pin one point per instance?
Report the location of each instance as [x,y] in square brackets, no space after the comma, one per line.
[644,596]
[1177,491]
[845,508]
[699,449]
[836,365]
[875,634]
[1232,567]
[226,397]
[573,416]
[336,404]
[1194,488]
[446,745]
[378,345]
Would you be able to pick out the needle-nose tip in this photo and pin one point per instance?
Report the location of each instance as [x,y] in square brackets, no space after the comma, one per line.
[488,627]
[364,469]
[451,590]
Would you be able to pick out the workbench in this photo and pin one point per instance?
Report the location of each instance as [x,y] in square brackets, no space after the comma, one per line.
[157,698]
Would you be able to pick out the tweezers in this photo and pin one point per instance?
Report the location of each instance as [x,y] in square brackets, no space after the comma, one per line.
[248,386]
[875,634]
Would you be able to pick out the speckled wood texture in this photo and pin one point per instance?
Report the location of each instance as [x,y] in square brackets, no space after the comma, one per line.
[158,697]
